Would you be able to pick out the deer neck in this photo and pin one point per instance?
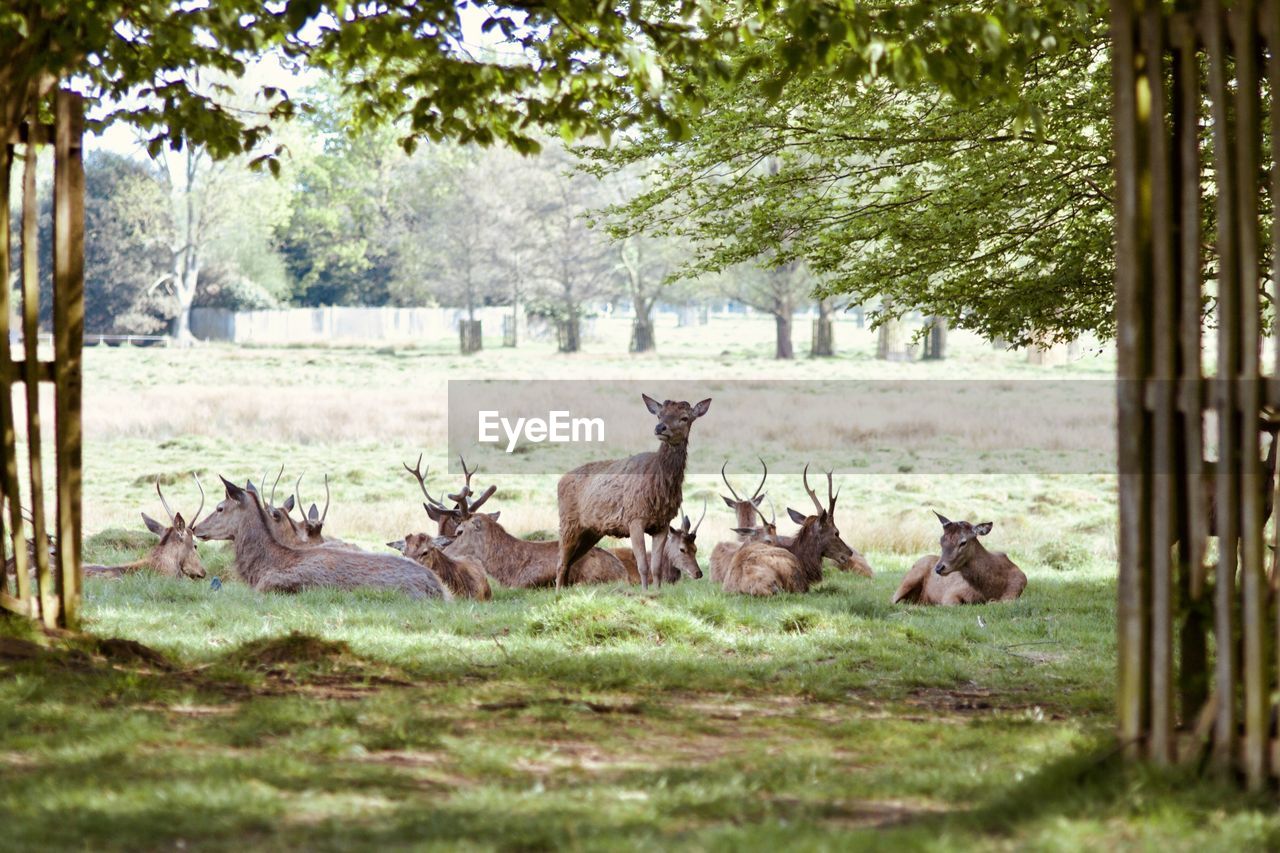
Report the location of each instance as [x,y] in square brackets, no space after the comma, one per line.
[746,516]
[669,470]
[982,572]
[256,549]
[807,547]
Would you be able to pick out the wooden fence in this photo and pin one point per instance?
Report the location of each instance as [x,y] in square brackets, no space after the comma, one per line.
[1197,627]
[37,586]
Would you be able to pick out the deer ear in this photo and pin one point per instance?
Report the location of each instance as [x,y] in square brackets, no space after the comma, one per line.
[233,491]
[493,515]
[671,531]
[179,523]
[651,404]
[701,409]
[432,512]
[730,502]
[757,500]
[313,514]
[796,515]
[288,504]
[154,526]
[399,545]
[982,529]
[945,521]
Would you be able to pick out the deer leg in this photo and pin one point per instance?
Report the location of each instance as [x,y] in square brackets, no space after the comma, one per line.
[568,544]
[660,554]
[642,557]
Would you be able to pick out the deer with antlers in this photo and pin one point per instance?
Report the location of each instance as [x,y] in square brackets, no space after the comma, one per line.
[448,518]
[267,564]
[173,556]
[770,566]
[628,498]
[682,553]
[745,511]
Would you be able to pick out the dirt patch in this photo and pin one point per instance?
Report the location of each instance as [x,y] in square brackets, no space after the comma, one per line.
[566,701]
[131,651]
[861,814]
[974,700]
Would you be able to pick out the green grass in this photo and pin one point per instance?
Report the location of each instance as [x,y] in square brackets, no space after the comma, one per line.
[598,719]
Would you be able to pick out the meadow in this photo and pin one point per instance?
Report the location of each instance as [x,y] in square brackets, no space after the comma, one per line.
[597,718]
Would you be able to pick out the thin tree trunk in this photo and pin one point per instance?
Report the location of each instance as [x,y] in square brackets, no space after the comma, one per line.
[935,340]
[642,334]
[782,327]
[824,336]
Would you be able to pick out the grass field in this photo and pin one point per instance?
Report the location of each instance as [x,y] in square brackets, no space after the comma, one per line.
[600,718]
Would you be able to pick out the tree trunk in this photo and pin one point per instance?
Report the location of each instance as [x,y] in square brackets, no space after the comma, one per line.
[893,343]
[470,336]
[509,333]
[782,327]
[935,339]
[687,316]
[824,336]
[567,334]
[642,333]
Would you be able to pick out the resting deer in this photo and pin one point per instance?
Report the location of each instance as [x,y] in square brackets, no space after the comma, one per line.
[464,576]
[682,553]
[519,563]
[448,518]
[173,556]
[266,564]
[966,573]
[745,511]
[629,497]
[768,566]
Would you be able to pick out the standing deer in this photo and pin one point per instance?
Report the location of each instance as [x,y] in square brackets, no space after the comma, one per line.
[448,518]
[173,556]
[682,553]
[266,564]
[464,576]
[522,564]
[629,497]
[966,573]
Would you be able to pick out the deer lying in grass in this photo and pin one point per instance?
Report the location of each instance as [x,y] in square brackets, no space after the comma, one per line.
[629,497]
[965,573]
[769,566]
[464,576]
[173,556]
[266,564]
[682,553]
[745,511]
[522,564]
[448,518]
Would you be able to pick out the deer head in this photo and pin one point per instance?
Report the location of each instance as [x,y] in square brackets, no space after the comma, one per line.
[959,543]
[766,532]
[286,530]
[175,555]
[225,519]
[674,419]
[744,507]
[822,525]
[448,518]
[682,546]
[313,518]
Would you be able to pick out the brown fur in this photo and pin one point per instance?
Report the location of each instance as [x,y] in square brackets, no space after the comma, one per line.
[1267,485]
[630,497]
[464,576]
[174,556]
[758,568]
[521,564]
[268,565]
[970,573]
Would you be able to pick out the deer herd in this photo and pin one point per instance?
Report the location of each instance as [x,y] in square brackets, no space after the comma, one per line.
[622,498]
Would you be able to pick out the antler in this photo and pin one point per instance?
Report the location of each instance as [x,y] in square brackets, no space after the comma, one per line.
[484,496]
[273,485]
[164,502]
[812,495]
[199,509]
[831,496]
[726,481]
[694,532]
[756,494]
[465,492]
[421,477]
[773,514]
[325,514]
[297,494]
